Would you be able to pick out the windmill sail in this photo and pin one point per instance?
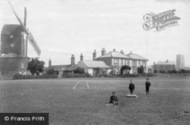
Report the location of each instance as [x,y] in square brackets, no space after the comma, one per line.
[34,44]
[17,16]
[30,36]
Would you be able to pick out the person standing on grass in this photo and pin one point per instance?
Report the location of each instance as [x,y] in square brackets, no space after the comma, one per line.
[147,85]
[131,87]
[114,99]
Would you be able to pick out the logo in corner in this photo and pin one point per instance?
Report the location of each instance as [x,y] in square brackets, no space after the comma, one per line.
[161,20]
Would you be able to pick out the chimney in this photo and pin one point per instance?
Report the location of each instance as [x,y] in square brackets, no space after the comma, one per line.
[114,50]
[131,52]
[72,60]
[103,51]
[122,52]
[94,55]
[49,62]
[81,57]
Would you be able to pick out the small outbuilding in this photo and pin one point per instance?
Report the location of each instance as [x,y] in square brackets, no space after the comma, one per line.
[94,68]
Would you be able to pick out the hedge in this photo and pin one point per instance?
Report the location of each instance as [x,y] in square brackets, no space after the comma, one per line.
[76,75]
[45,76]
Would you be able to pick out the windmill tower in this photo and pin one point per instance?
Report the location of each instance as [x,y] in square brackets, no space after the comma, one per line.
[14,39]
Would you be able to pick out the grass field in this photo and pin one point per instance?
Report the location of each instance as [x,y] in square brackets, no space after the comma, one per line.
[83,101]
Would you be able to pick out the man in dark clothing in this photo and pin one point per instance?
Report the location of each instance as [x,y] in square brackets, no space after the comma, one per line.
[114,99]
[131,87]
[147,85]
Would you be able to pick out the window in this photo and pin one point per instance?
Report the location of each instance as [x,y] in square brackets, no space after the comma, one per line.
[121,61]
[22,65]
[134,63]
[116,61]
[12,45]
[11,36]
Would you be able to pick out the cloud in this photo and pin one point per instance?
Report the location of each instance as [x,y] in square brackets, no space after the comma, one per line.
[173,1]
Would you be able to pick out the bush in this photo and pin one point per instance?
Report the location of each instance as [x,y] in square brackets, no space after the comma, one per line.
[19,76]
[134,75]
[51,71]
[76,75]
[79,70]
[113,75]
[131,75]
[150,75]
[119,75]
[162,71]
[45,76]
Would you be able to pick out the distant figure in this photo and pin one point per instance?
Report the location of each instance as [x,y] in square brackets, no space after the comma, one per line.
[131,87]
[114,99]
[147,85]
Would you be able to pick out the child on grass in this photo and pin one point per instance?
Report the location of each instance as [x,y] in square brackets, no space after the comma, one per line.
[131,87]
[147,85]
[114,99]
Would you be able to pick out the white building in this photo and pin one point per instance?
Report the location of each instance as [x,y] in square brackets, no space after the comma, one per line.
[116,60]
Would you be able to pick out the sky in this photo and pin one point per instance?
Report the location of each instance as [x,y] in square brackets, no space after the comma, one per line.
[65,27]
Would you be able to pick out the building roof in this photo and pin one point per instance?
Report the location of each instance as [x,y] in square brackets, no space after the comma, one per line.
[136,56]
[93,64]
[114,54]
[11,28]
[70,68]
[63,67]
[165,63]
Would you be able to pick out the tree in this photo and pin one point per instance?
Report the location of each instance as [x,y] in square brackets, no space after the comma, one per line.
[51,71]
[141,69]
[79,70]
[162,71]
[124,68]
[174,71]
[35,66]
[182,71]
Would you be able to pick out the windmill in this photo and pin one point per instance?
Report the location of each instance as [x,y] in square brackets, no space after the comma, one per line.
[14,39]
[29,34]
